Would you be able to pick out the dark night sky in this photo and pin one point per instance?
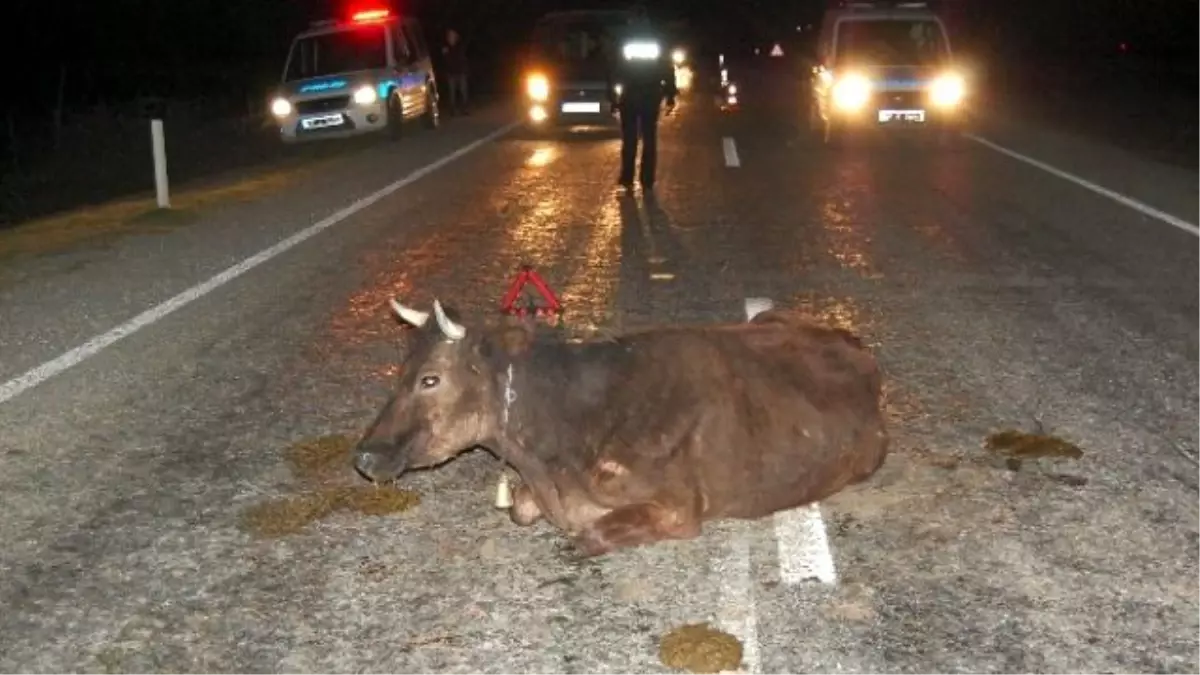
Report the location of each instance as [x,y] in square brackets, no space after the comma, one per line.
[112,45]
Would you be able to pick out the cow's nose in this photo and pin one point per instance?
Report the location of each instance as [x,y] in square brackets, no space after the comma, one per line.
[365,463]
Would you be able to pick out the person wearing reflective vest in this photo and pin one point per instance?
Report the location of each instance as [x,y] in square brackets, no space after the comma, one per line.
[641,78]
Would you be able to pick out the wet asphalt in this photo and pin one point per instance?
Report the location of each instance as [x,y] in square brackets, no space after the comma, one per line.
[996,296]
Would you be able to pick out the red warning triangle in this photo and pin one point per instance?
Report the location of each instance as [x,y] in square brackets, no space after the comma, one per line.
[528,276]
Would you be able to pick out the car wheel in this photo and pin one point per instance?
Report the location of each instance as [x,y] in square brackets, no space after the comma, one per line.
[395,116]
[433,114]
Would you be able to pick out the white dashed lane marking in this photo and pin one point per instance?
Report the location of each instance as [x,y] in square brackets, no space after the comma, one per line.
[731,153]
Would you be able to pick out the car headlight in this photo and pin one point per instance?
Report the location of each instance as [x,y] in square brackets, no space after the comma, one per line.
[948,90]
[365,95]
[281,107]
[851,92]
[678,56]
[538,87]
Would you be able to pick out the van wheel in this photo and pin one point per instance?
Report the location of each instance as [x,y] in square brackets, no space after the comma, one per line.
[433,114]
[395,116]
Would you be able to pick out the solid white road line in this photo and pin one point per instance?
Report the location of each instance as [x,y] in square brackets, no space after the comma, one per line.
[804,551]
[1132,203]
[739,608]
[47,370]
[803,544]
[731,156]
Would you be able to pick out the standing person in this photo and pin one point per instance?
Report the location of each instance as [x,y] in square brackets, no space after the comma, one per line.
[646,76]
[455,55]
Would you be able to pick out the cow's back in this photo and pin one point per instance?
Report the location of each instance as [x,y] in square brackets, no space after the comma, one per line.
[798,416]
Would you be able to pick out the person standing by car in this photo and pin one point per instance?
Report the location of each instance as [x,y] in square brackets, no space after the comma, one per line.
[454,55]
[645,76]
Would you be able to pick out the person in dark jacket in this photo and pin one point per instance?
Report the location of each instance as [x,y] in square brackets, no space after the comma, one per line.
[454,55]
[646,76]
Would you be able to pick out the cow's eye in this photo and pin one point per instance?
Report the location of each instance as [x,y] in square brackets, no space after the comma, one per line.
[430,381]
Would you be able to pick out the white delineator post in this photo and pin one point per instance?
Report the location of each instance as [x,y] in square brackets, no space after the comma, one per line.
[160,164]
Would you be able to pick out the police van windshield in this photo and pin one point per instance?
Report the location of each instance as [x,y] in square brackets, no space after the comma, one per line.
[342,51]
[891,42]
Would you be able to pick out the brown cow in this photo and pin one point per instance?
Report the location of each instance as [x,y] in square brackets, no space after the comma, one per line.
[641,438]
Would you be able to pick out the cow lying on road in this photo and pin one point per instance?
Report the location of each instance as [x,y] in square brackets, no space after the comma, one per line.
[641,438]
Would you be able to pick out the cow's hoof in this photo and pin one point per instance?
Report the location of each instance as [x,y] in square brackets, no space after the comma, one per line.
[524,511]
[590,543]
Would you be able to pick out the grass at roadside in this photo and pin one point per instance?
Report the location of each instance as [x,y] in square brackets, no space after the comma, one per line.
[100,225]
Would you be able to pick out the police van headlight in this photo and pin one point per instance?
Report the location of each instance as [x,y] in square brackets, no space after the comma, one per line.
[365,95]
[851,92]
[281,107]
[538,87]
[948,90]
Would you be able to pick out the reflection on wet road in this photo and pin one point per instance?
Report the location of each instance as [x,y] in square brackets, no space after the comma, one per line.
[995,298]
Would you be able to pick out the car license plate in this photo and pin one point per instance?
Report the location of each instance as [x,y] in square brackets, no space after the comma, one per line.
[321,121]
[585,107]
[901,116]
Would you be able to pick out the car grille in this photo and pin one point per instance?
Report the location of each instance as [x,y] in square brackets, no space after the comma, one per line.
[584,93]
[320,105]
[901,99]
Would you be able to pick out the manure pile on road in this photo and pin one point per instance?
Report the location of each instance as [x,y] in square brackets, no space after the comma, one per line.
[1017,448]
[700,648]
[325,466]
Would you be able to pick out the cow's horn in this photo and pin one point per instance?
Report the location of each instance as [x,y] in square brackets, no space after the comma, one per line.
[409,315]
[449,328]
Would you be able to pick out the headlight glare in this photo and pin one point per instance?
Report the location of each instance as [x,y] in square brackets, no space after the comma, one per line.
[538,87]
[851,92]
[365,95]
[948,90]
[281,107]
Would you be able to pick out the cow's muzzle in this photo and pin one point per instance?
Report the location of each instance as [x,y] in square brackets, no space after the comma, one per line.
[379,464]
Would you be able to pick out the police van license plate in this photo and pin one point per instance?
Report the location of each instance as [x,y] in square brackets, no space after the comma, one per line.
[901,116]
[581,107]
[321,121]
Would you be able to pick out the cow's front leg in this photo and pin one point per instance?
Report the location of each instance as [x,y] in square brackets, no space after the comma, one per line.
[635,525]
[524,510]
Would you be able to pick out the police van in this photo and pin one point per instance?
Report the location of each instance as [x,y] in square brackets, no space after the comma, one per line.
[369,74]
[885,64]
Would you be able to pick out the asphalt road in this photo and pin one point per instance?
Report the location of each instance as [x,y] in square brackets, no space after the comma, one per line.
[997,295]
